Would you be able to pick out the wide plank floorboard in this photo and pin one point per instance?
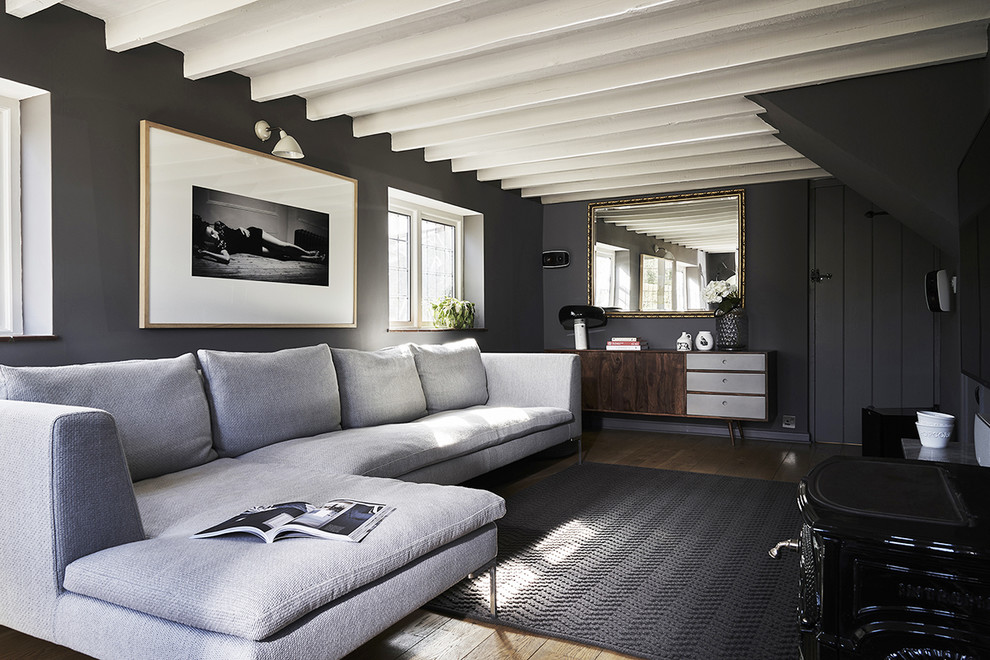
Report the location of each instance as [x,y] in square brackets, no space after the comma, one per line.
[427,636]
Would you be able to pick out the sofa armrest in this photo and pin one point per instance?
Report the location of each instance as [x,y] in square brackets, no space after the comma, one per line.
[67,493]
[536,379]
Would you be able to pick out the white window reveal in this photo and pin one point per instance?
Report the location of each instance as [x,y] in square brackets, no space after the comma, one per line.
[427,242]
[11,318]
[25,210]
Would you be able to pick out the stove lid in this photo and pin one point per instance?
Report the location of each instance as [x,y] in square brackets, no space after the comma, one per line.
[919,492]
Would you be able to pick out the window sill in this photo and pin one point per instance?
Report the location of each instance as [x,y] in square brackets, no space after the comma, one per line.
[13,338]
[436,330]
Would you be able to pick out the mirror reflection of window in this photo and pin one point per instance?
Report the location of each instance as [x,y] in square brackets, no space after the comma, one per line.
[604,278]
[656,290]
[613,287]
[658,253]
[694,283]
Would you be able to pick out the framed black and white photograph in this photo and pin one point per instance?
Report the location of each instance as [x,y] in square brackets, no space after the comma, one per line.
[235,237]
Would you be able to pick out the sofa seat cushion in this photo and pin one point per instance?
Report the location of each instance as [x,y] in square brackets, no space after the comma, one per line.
[261,398]
[509,423]
[393,450]
[244,587]
[159,406]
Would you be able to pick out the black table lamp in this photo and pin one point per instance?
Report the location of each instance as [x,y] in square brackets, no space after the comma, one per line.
[581,317]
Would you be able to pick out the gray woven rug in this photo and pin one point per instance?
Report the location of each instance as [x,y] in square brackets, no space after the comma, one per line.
[651,563]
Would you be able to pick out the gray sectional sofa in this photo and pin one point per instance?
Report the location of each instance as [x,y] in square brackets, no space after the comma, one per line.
[108,468]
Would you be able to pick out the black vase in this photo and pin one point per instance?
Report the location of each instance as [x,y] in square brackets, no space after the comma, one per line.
[732,330]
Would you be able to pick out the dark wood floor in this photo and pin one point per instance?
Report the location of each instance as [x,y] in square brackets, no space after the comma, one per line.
[426,636]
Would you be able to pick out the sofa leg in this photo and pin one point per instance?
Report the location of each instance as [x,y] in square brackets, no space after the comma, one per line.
[493,603]
[490,569]
[580,451]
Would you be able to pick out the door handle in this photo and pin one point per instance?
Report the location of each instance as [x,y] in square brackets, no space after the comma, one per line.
[817,276]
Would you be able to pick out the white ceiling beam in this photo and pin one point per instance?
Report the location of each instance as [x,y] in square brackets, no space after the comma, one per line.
[157,22]
[25,8]
[639,155]
[660,178]
[562,112]
[671,135]
[690,227]
[682,186]
[509,25]
[301,33]
[659,33]
[874,57]
[763,155]
[605,125]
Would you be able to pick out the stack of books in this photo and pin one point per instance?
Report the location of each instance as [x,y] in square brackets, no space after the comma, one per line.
[626,344]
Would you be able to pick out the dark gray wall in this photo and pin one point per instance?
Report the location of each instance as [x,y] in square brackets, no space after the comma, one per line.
[776,288]
[99,97]
[873,338]
[897,138]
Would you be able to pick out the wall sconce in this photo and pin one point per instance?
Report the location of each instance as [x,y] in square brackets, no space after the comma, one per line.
[286,147]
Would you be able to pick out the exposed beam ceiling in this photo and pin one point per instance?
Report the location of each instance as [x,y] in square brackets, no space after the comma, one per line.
[564,100]
[711,224]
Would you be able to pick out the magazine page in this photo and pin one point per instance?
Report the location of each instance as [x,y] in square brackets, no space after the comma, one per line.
[262,521]
[347,520]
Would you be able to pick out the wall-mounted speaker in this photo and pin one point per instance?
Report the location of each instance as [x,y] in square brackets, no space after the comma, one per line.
[937,291]
[556,259]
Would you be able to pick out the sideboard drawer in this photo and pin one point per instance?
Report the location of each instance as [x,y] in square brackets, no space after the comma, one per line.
[734,383]
[727,362]
[727,405]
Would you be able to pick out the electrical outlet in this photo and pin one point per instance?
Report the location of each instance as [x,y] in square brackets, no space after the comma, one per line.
[789,422]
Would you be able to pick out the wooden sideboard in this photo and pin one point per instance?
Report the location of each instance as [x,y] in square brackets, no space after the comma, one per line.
[733,386]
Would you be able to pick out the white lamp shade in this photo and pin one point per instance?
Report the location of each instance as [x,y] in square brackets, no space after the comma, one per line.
[287,147]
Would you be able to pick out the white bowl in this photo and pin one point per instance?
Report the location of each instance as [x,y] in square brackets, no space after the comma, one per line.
[930,416]
[932,436]
[936,424]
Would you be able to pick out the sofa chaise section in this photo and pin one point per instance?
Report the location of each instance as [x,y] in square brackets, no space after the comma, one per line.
[111,467]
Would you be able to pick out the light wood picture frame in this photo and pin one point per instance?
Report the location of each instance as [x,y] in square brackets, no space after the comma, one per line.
[291,237]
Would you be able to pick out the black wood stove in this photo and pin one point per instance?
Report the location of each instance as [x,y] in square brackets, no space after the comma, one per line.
[895,560]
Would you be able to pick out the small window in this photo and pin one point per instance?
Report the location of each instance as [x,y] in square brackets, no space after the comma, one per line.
[426,244]
[25,210]
[11,319]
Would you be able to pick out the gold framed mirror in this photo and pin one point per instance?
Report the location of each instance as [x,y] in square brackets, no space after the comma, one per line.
[652,257]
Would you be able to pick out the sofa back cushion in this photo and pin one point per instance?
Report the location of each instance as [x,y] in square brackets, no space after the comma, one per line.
[378,387]
[159,406]
[259,399]
[453,375]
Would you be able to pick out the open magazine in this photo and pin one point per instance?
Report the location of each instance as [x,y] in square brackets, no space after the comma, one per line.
[340,520]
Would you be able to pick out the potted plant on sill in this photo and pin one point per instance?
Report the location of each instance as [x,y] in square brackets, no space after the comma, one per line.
[449,312]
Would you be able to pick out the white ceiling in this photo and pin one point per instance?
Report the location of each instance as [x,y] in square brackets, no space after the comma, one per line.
[562,99]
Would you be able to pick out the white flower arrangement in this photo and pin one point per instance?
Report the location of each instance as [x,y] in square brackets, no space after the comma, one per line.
[724,293]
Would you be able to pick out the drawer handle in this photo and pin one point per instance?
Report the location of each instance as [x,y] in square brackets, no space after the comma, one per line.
[725,361]
[725,380]
[725,403]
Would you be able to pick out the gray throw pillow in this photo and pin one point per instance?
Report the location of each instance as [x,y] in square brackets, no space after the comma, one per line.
[378,387]
[452,374]
[259,399]
[159,406]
